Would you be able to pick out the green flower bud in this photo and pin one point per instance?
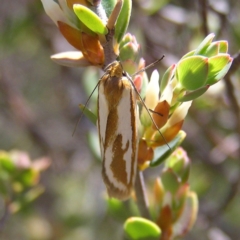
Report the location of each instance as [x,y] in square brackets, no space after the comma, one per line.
[180,164]
[129,49]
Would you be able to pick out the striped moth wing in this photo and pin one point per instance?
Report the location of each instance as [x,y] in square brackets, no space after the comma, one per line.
[117,128]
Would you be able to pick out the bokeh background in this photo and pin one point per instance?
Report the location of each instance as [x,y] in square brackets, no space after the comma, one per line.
[39,110]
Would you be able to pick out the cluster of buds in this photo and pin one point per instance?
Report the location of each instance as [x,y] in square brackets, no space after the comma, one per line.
[174,206]
[20,176]
[129,57]
[86,26]
[177,205]
[170,100]
[81,37]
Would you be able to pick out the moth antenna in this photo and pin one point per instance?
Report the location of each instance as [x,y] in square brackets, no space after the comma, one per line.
[152,111]
[80,117]
[141,99]
[149,66]
[148,111]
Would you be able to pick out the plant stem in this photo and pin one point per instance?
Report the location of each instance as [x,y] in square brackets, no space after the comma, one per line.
[142,201]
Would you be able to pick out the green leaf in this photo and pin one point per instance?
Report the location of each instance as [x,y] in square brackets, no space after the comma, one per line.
[167,77]
[189,54]
[189,96]
[192,72]
[91,79]
[28,177]
[33,194]
[123,20]
[212,49]
[117,209]
[140,228]
[204,44]
[163,152]
[223,47]
[88,113]
[145,82]
[188,216]
[170,181]
[222,73]
[90,19]
[6,163]
[218,67]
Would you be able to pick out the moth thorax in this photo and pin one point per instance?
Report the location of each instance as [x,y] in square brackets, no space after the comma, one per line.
[116,70]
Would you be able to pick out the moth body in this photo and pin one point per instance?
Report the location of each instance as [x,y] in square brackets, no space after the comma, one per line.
[117,127]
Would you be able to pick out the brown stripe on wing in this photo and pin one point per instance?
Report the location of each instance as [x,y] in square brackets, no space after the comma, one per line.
[134,136]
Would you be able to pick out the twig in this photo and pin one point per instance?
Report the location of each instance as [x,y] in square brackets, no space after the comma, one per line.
[142,201]
[21,111]
[5,216]
[203,4]
[109,52]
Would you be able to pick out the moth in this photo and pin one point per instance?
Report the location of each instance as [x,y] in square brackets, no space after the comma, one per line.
[117,128]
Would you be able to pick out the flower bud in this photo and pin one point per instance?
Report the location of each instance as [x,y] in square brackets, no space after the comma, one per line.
[179,163]
[129,49]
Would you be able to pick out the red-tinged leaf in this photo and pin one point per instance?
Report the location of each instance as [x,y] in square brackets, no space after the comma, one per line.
[164,221]
[168,135]
[138,79]
[145,153]
[93,48]
[160,114]
[72,35]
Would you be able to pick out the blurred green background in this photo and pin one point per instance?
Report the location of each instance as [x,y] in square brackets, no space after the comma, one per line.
[39,109]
